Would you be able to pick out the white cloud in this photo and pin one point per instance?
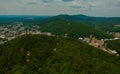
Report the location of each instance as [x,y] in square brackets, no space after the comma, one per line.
[78,4]
[53,7]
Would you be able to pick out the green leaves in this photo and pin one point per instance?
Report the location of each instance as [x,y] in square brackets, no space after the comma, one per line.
[54,55]
[74,29]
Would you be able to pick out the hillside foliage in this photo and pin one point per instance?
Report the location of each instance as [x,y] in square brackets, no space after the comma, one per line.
[38,54]
[74,29]
[114,44]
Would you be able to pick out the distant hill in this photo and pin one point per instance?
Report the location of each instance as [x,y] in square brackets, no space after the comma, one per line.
[110,20]
[26,19]
[59,25]
[76,17]
[103,23]
[36,54]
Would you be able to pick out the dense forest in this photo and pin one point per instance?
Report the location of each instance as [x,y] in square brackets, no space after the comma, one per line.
[40,54]
[103,23]
[114,44]
[75,29]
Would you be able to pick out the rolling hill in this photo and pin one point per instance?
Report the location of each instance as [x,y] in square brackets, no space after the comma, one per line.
[38,54]
[103,23]
[60,25]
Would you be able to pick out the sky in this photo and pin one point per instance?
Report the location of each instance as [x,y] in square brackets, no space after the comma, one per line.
[56,7]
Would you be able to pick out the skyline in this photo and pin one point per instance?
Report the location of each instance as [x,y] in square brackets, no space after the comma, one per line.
[108,8]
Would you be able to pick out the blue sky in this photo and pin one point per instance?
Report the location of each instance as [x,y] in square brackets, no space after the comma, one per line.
[56,7]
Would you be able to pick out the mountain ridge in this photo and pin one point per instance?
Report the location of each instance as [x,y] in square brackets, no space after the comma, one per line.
[63,24]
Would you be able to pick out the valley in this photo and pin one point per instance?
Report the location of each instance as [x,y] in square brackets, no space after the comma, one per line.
[60,44]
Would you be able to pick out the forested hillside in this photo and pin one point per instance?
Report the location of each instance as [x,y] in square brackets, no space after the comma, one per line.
[114,44]
[106,24]
[38,54]
[75,29]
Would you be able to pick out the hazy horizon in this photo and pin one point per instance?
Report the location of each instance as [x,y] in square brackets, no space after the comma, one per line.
[25,15]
